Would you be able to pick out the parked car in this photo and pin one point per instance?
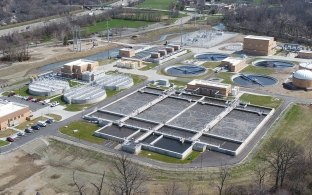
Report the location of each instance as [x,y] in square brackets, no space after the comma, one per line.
[41,124]
[29,98]
[35,127]
[34,100]
[10,139]
[28,130]
[49,121]
[20,133]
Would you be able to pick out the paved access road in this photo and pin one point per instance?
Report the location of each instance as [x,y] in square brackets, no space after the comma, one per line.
[30,27]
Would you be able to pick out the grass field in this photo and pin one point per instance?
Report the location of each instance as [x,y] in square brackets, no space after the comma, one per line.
[257,70]
[154,4]
[7,133]
[180,82]
[55,116]
[85,131]
[211,65]
[168,159]
[70,107]
[3,143]
[148,66]
[115,23]
[267,101]
[25,124]
[226,76]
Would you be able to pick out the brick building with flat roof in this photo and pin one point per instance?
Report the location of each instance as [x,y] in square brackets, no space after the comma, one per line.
[209,88]
[76,68]
[12,114]
[259,45]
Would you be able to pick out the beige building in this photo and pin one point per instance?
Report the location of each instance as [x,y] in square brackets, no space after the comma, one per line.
[76,68]
[233,64]
[259,45]
[305,54]
[209,88]
[126,53]
[129,63]
[12,114]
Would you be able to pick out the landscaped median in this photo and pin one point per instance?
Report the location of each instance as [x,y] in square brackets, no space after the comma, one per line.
[82,130]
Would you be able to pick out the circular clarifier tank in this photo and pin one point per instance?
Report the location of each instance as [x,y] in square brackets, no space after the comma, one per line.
[185,70]
[273,64]
[254,80]
[211,56]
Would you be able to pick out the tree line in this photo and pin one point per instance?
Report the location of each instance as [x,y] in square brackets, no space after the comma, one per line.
[284,19]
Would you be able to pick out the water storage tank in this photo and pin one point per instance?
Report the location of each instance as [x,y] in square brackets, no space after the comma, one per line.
[303,79]
[306,66]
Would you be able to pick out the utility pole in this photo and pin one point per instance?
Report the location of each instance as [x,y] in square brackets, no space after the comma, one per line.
[107,30]
[181,33]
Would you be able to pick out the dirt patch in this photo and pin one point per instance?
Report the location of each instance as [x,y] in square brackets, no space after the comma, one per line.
[24,167]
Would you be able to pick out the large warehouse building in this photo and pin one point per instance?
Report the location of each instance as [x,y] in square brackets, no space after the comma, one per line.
[12,114]
[76,68]
[259,45]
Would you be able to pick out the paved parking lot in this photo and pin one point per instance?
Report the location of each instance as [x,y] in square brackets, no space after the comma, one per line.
[33,106]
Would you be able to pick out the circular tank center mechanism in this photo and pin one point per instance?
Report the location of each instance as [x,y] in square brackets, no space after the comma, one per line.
[252,80]
[185,70]
[274,64]
[211,57]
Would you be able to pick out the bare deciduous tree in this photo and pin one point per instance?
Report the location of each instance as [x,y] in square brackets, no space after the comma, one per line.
[190,188]
[171,189]
[99,188]
[223,175]
[260,172]
[80,187]
[127,178]
[282,155]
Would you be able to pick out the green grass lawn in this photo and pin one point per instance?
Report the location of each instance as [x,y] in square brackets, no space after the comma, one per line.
[211,65]
[226,76]
[7,133]
[138,78]
[55,116]
[25,124]
[180,82]
[168,159]
[267,101]
[115,23]
[73,83]
[257,70]
[156,4]
[3,143]
[23,91]
[70,107]
[148,66]
[85,131]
